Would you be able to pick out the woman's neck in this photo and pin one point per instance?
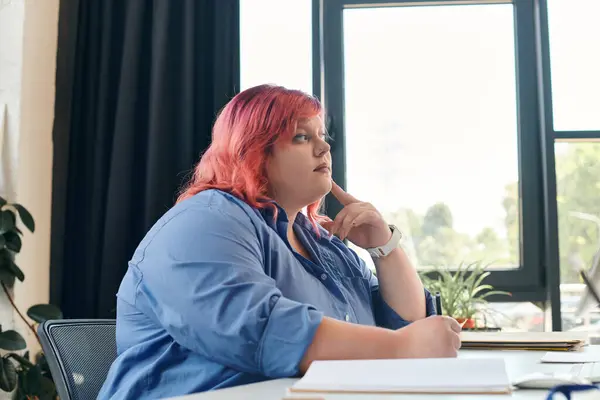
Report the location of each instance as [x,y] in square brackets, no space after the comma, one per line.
[290,228]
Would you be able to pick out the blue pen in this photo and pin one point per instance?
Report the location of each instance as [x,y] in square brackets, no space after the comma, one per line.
[438,304]
[566,390]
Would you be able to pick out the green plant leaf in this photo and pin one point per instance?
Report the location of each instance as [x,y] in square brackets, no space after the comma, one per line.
[2,201]
[13,241]
[461,288]
[43,364]
[40,359]
[26,217]
[2,241]
[480,288]
[12,341]
[6,276]
[495,292]
[476,275]
[27,383]
[47,388]
[5,257]
[20,232]
[37,385]
[7,221]
[8,375]
[16,271]
[20,393]
[25,363]
[478,282]
[42,312]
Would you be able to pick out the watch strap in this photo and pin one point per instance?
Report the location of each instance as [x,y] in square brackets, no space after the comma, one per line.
[382,251]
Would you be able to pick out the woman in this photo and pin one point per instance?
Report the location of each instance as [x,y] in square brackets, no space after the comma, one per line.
[242,280]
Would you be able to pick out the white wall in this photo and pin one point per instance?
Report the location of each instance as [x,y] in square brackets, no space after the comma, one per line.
[34,175]
[28,43]
[12,15]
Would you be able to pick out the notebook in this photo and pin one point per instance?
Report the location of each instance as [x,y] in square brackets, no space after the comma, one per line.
[548,341]
[434,375]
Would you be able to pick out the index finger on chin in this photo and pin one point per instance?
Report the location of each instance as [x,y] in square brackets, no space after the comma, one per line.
[343,197]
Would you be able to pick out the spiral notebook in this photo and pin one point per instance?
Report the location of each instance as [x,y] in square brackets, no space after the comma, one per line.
[433,376]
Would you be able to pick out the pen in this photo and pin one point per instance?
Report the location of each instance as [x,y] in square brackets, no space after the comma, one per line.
[438,304]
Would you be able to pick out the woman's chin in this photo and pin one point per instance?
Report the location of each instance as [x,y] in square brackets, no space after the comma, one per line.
[320,190]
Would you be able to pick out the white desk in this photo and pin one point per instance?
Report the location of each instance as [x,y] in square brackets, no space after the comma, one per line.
[518,363]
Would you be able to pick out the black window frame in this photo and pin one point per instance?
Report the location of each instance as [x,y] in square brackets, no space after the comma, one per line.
[549,136]
[529,282]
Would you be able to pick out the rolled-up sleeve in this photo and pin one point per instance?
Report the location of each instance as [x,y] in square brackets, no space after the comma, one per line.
[385,316]
[204,281]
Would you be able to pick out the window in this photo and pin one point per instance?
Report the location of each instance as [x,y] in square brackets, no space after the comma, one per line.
[431,134]
[276,43]
[573,37]
[574,30]
[577,187]
[435,118]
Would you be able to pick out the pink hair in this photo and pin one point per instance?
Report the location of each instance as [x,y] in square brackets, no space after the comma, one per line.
[243,136]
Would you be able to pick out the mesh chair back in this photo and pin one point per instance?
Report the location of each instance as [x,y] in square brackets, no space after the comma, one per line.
[79,354]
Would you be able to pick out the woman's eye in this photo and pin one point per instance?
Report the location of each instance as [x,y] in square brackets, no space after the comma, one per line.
[301,137]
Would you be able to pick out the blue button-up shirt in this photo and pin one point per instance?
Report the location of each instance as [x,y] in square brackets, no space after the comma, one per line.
[215,296]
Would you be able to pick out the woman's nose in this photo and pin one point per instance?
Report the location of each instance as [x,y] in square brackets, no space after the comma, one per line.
[322,147]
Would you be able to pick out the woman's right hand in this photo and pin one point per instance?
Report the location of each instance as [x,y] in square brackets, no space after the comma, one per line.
[433,337]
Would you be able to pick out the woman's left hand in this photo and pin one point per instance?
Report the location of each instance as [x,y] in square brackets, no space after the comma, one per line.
[358,221]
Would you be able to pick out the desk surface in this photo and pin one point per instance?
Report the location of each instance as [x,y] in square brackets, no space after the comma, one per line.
[518,363]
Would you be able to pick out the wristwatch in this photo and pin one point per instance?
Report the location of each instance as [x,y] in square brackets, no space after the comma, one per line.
[382,251]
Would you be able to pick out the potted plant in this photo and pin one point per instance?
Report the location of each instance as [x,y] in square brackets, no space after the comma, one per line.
[30,377]
[462,291]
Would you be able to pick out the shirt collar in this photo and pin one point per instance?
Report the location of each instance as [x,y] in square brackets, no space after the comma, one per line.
[301,219]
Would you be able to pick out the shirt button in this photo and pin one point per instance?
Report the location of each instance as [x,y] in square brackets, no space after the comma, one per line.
[347,318]
[323,277]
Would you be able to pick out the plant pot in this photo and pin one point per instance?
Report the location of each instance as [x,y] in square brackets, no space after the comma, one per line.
[467,323]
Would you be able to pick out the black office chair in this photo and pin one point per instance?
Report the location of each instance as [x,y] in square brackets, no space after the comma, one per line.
[79,353]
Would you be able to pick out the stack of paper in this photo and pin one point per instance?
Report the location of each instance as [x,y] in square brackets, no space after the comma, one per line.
[440,375]
[571,358]
[548,341]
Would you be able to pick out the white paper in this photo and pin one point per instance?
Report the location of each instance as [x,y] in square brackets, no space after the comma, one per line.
[570,357]
[442,375]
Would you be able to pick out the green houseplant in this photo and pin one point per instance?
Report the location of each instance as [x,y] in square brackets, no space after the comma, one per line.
[29,376]
[462,291]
